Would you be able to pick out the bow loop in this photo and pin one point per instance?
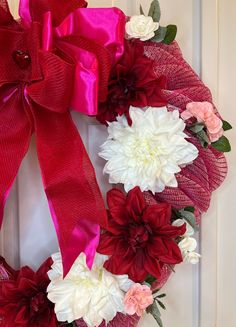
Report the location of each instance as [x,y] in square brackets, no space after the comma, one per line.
[57,81]
[19,59]
[35,10]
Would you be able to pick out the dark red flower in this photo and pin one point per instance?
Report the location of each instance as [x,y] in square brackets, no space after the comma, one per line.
[24,302]
[140,238]
[132,82]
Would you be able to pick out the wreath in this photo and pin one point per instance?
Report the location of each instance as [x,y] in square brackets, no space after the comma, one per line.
[164,156]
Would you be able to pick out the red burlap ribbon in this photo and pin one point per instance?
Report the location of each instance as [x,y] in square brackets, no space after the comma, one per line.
[36,90]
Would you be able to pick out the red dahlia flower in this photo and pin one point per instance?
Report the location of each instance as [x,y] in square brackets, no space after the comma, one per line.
[23,301]
[140,238]
[133,82]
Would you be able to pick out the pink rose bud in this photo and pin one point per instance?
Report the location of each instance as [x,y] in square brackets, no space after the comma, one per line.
[204,113]
[137,299]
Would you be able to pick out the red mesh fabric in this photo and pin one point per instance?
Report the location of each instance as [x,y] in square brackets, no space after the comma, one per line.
[197,181]
[183,84]
[119,321]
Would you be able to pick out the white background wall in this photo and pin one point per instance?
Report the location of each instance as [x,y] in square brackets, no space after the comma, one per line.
[196,298]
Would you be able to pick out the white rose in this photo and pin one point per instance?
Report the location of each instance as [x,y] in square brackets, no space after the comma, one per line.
[141,27]
[189,228]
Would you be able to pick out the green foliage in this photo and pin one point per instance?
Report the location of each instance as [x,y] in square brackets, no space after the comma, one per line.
[160,34]
[203,138]
[196,128]
[222,144]
[189,208]
[154,308]
[226,125]
[141,10]
[170,34]
[155,312]
[189,217]
[150,280]
[155,11]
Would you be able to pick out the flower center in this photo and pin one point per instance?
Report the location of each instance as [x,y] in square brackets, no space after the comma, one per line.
[141,27]
[36,302]
[138,235]
[145,149]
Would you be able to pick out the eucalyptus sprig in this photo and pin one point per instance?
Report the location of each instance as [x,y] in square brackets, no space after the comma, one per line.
[188,214]
[154,308]
[164,34]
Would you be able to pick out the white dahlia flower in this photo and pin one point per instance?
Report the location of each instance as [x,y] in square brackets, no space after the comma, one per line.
[149,153]
[94,295]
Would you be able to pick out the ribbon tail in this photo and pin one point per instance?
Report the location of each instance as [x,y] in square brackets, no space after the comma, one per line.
[15,132]
[75,201]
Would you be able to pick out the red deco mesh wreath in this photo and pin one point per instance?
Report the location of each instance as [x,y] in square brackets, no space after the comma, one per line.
[173,83]
[197,181]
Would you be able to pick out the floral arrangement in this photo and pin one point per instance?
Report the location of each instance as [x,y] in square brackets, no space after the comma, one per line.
[164,156]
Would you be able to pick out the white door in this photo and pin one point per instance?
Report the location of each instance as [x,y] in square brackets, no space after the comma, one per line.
[196,296]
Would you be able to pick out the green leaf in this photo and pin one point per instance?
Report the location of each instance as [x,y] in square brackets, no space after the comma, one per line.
[203,138]
[159,34]
[161,304]
[222,144]
[196,128]
[155,11]
[141,10]
[190,209]
[161,296]
[226,125]
[190,218]
[155,312]
[150,279]
[170,34]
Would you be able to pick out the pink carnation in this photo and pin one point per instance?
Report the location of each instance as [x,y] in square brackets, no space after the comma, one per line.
[204,113]
[137,299]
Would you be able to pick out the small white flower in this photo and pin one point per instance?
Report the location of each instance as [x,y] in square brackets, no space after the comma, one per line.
[192,257]
[149,153]
[141,27]
[187,247]
[188,244]
[94,295]
[189,228]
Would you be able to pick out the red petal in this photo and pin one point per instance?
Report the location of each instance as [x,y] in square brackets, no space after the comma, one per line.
[157,215]
[137,271]
[107,244]
[152,266]
[156,247]
[171,231]
[120,264]
[116,202]
[22,317]
[174,255]
[135,203]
